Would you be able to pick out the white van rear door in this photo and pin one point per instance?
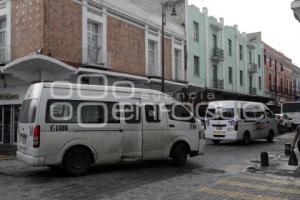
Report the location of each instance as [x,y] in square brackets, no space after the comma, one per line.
[132,130]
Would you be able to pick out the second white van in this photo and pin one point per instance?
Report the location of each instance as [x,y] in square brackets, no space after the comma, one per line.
[239,121]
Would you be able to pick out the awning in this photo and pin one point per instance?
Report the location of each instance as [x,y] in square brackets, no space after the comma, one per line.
[38,68]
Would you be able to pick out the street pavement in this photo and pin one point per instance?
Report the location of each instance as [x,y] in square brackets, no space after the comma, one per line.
[226,171]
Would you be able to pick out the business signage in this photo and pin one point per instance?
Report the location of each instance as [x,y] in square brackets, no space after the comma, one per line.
[9,96]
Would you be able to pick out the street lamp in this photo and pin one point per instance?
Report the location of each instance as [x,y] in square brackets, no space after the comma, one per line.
[165,6]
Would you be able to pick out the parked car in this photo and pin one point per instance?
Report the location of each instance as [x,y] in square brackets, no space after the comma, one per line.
[292,111]
[284,123]
[83,125]
[239,121]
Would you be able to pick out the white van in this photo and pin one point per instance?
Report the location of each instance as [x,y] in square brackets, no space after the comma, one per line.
[75,126]
[239,121]
[292,111]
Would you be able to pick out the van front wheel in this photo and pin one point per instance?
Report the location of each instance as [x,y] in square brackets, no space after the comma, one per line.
[179,155]
[77,162]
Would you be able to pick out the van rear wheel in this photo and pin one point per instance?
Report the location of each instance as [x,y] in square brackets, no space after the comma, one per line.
[77,162]
[179,155]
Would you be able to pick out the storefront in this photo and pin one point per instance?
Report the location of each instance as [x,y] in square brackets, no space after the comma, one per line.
[15,78]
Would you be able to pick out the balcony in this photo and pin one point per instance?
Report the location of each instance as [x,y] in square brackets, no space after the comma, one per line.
[253,68]
[217,55]
[217,84]
[253,91]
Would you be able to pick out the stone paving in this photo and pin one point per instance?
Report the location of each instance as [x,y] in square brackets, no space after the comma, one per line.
[222,174]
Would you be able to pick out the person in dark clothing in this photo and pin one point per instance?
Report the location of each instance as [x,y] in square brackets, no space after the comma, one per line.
[297,139]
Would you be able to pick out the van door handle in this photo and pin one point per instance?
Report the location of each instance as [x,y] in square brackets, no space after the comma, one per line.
[121,130]
[172,126]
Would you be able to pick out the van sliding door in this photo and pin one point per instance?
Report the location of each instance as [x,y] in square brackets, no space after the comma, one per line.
[132,130]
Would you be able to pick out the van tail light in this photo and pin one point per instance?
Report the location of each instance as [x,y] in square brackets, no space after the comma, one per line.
[236,126]
[36,136]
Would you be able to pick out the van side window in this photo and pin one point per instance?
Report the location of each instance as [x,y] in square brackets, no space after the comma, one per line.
[180,113]
[270,114]
[61,111]
[28,111]
[247,114]
[132,114]
[152,113]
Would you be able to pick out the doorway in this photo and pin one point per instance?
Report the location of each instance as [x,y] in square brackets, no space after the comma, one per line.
[9,115]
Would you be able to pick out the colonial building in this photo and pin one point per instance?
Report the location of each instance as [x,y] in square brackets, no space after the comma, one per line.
[279,77]
[61,40]
[222,60]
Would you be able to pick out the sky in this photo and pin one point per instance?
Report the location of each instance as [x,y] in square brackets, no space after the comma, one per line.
[274,18]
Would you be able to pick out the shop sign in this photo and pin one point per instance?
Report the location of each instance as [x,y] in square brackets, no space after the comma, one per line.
[8,96]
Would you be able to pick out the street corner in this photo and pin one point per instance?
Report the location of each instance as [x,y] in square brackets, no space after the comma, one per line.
[249,187]
[278,165]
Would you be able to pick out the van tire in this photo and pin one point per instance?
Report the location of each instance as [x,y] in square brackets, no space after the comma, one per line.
[179,154]
[246,138]
[271,135]
[77,162]
[216,142]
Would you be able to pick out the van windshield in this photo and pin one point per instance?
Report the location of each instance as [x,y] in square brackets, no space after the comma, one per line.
[290,107]
[28,111]
[220,114]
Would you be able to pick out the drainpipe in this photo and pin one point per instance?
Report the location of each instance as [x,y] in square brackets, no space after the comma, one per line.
[207,52]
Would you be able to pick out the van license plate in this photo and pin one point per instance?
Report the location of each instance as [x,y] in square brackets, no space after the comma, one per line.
[219,132]
[219,128]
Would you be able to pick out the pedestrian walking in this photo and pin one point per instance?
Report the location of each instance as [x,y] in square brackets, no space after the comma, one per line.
[297,139]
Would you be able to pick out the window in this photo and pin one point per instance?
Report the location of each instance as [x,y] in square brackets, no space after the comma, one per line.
[270,113]
[94,46]
[259,61]
[270,62]
[215,41]
[270,82]
[281,67]
[152,113]
[241,78]
[196,31]
[229,47]
[180,113]
[265,59]
[230,75]
[28,111]
[152,58]
[178,65]
[3,40]
[250,57]
[61,111]
[196,66]
[241,52]
[132,114]
[260,83]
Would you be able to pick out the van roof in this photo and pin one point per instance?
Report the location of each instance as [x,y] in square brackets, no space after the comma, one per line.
[64,85]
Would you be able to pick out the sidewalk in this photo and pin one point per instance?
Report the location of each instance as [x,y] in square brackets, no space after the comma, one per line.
[278,161]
